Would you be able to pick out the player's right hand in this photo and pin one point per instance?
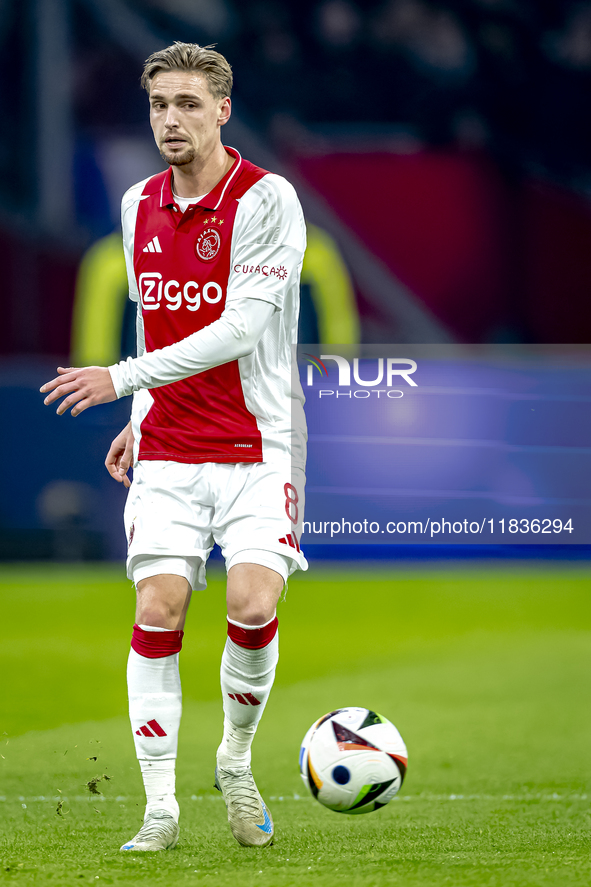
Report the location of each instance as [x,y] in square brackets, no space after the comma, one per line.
[120,456]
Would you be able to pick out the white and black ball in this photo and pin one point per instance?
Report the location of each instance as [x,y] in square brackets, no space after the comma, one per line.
[353,760]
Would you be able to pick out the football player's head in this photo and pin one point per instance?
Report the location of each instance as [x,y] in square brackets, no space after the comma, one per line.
[193,58]
[189,89]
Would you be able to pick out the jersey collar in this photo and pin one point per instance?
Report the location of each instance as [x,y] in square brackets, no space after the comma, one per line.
[215,197]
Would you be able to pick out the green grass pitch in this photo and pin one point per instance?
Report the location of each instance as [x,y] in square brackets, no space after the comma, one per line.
[483,668]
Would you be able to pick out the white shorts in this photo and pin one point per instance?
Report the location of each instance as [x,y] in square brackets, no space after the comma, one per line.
[175,512]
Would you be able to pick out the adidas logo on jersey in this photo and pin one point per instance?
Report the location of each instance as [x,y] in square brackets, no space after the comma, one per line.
[245,698]
[153,246]
[292,540]
[151,729]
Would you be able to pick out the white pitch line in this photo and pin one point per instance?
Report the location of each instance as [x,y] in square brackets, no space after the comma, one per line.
[120,799]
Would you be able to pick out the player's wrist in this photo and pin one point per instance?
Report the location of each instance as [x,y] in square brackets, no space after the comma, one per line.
[122,385]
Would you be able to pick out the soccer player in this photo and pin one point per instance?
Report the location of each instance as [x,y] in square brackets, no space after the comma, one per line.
[214,247]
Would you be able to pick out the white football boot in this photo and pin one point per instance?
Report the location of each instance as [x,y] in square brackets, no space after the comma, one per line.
[248,816]
[160,831]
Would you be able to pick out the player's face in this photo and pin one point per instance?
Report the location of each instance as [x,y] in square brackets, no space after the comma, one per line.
[185,117]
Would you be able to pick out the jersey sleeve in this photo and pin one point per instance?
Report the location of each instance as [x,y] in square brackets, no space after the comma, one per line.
[129,208]
[268,242]
[234,335]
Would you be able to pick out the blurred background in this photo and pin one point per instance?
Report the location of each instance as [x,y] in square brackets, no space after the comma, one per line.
[441,150]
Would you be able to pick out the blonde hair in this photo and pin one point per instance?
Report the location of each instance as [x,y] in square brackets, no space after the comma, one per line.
[191,57]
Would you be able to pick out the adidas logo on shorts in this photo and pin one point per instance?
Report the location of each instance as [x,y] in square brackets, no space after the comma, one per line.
[292,540]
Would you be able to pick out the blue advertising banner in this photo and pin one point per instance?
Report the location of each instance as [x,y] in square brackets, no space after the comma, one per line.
[447,444]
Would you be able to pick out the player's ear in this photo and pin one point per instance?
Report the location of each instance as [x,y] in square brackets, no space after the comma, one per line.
[225,110]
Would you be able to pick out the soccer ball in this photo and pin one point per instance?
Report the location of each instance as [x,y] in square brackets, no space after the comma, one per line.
[353,760]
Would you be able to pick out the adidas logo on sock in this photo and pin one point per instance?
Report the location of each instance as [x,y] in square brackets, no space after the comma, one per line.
[292,540]
[153,246]
[152,728]
[245,698]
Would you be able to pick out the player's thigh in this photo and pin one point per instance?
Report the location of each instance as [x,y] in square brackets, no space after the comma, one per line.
[168,514]
[260,508]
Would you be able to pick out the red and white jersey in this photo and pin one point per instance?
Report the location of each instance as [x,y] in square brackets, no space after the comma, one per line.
[245,239]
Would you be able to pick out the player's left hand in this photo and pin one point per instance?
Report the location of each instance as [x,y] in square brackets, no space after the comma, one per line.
[84,386]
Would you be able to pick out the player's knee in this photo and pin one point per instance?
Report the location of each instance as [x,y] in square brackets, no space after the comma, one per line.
[161,608]
[157,616]
[251,613]
[256,617]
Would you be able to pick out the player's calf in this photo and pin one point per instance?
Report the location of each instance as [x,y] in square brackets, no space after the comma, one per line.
[248,670]
[155,713]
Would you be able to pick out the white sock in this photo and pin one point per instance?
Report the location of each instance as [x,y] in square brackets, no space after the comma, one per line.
[155,706]
[247,676]
[159,783]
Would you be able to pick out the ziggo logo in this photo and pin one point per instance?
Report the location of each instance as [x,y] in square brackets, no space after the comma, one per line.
[153,290]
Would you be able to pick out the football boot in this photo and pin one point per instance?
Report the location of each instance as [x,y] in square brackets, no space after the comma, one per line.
[160,831]
[248,816]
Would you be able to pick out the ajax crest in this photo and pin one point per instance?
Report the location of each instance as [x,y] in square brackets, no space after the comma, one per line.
[208,244]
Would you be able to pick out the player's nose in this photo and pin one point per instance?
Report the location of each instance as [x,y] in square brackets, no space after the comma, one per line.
[172,120]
